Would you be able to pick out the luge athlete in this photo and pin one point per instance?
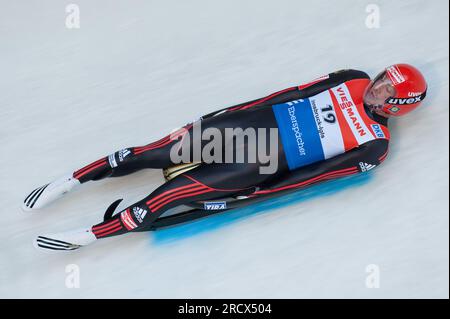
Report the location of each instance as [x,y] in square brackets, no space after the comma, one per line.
[332,127]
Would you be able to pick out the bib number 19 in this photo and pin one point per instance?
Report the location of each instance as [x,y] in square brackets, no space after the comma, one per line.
[328,114]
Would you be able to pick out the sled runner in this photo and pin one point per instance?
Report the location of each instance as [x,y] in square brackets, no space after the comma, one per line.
[201,209]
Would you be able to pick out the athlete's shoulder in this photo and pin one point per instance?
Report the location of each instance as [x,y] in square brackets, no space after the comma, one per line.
[349,74]
[331,80]
[375,151]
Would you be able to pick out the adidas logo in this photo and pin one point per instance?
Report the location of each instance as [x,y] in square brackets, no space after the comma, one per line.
[139,213]
[124,153]
[366,167]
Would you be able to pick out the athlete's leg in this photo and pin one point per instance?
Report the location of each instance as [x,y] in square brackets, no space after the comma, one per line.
[202,183]
[157,154]
[205,182]
[132,159]
[123,162]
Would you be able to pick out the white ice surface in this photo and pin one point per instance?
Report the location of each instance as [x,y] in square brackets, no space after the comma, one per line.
[137,69]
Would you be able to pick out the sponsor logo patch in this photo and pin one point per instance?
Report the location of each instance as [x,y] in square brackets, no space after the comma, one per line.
[124,153]
[394,109]
[400,101]
[378,131]
[215,205]
[395,75]
[127,220]
[139,213]
[295,128]
[366,167]
[349,109]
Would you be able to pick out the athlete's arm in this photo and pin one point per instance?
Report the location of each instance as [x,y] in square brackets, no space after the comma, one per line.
[361,159]
[299,92]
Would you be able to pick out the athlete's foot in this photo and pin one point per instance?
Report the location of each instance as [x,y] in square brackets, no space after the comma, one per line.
[64,242]
[44,195]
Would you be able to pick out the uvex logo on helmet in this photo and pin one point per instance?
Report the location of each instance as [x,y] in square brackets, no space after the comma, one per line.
[407,101]
[410,87]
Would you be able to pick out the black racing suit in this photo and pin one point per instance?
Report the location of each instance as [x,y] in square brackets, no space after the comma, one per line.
[210,181]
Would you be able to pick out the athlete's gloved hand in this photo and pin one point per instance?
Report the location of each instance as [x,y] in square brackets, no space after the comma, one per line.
[44,195]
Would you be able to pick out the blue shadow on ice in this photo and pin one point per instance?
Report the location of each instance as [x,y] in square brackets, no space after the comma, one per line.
[213,222]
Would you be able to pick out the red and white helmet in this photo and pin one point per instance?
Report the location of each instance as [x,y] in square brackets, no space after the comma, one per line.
[398,90]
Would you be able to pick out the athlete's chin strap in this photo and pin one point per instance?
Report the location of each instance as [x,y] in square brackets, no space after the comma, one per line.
[110,210]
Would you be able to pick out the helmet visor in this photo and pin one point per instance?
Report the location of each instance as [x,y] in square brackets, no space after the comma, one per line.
[379,91]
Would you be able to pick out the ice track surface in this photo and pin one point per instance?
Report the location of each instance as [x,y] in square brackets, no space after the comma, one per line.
[137,69]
